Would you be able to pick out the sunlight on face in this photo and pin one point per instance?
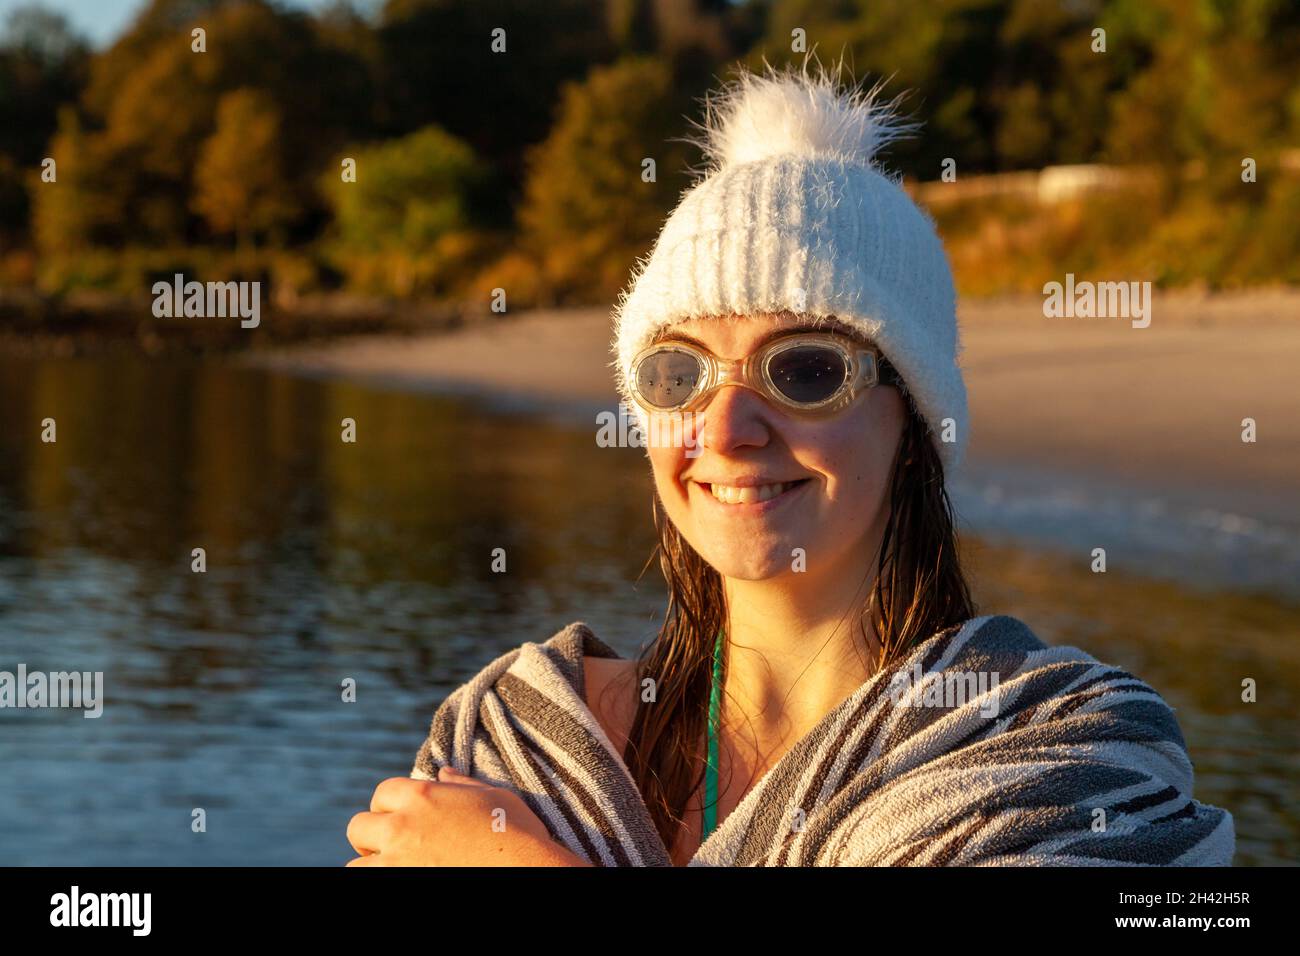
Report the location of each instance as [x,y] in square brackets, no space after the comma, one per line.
[843,461]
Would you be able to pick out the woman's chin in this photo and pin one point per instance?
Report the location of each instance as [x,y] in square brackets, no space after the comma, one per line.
[752,565]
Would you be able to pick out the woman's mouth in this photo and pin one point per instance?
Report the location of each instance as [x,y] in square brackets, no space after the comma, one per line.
[751,498]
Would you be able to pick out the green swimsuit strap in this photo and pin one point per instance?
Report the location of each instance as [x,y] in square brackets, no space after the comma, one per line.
[711,768]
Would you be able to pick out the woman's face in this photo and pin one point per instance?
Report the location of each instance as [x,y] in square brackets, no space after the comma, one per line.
[841,462]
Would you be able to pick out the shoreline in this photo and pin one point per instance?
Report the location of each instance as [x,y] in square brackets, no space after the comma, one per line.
[1156,408]
[1085,433]
[1163,403]
[89,323]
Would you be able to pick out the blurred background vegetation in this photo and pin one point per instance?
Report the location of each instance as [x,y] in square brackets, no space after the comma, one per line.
[523,169]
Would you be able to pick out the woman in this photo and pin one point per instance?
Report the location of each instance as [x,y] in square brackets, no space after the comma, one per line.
[822,692]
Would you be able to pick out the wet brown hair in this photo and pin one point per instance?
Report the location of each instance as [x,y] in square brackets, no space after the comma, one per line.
[920,589]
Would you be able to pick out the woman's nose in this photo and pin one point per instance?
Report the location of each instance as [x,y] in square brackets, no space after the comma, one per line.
[735,415]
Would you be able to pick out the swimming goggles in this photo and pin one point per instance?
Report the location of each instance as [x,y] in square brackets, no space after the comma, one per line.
[812,372]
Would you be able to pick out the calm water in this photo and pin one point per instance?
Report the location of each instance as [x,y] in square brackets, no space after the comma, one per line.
[372,561]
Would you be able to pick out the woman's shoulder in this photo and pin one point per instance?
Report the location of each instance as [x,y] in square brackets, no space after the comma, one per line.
[544,672]
[1044,682]
[1005,634]
[997,631]
[1003,638]
[568,652]
[603,679]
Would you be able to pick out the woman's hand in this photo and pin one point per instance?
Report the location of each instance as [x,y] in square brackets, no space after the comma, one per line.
[454,821]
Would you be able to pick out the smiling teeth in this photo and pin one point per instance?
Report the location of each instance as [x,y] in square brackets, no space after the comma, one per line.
[730,495]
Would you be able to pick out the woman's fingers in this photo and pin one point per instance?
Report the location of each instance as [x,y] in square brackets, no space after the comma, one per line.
[393,793]
[366,832]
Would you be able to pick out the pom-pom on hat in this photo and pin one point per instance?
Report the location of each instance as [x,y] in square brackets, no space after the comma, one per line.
[792,214]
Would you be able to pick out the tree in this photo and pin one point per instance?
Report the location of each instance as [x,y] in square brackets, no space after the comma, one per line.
[89,203]
[151,108]
[408,192]
[407,219]
[42,66]
[239,183]
[588,211]
[438,66]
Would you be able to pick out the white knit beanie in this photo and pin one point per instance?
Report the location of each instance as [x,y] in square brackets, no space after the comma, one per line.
[792,214]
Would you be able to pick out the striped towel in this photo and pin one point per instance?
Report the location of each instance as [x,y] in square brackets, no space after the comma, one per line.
[1054,759]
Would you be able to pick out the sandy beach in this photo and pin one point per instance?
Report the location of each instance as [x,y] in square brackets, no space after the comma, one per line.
[1160,406]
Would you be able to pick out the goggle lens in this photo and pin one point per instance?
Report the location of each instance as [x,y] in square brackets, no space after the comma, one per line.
[808,374]
[667,377]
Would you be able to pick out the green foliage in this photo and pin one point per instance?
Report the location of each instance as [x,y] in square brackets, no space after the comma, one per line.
[66,214]
[127,271]
[407,219]
[1015,84]
[42,64]
[151,110]
[1247,234]
[408,192]
[587,211]
[523,168]
[239,176]
[436,66]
